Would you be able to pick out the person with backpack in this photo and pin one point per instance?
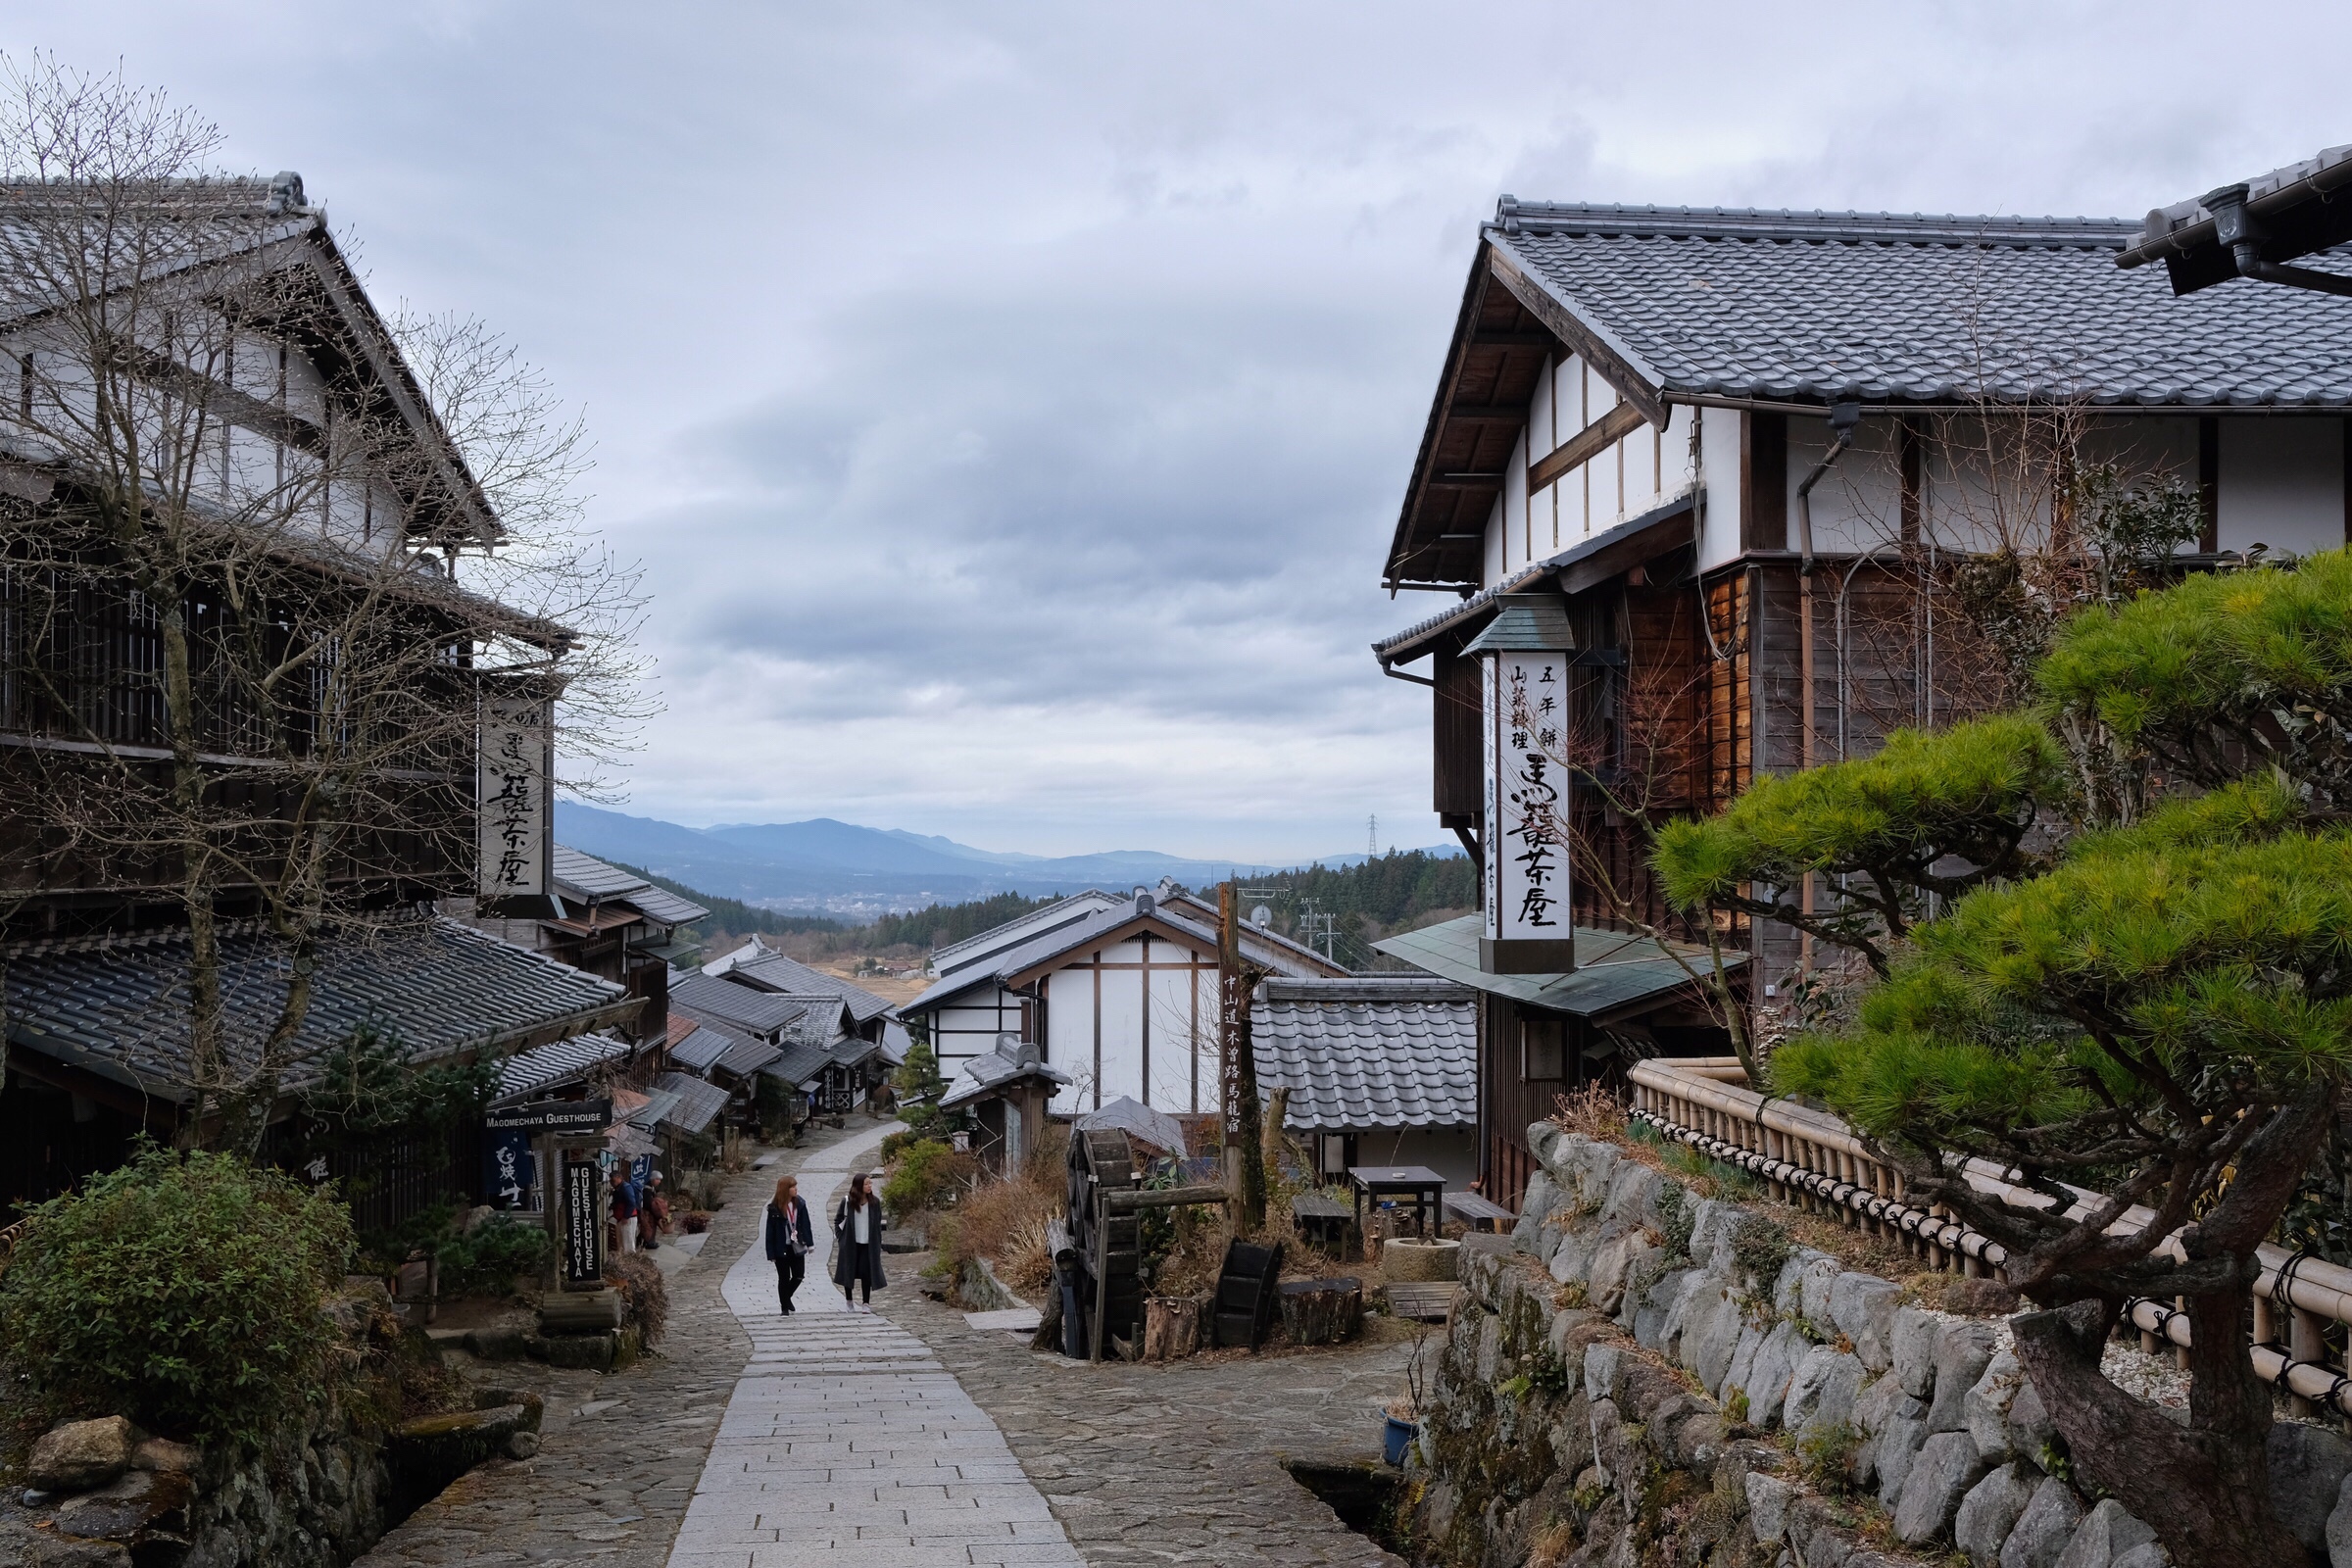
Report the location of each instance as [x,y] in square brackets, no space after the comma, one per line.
[789,1239]
[625,1203]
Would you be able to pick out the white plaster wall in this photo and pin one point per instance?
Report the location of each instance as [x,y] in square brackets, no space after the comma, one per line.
[1719,471]
[2282,484]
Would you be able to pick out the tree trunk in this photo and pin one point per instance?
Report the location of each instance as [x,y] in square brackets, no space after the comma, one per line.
[1171,1327]
[1322,1311]
[2206,1491]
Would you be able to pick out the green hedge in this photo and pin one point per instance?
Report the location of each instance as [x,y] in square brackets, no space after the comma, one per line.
[183,1290]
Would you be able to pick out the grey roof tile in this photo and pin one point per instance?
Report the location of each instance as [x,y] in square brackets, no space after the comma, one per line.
[773,972]
[118,1004]
[759,1013]
[1813,305]
[555,1064]
[694,1104]
[1369,1052]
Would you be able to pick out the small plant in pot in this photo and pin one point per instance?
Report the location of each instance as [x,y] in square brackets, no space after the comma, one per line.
[1404,1411]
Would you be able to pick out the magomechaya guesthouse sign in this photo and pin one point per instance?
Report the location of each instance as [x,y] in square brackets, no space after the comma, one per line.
[582,1118]
[1525,656]
[583,1224]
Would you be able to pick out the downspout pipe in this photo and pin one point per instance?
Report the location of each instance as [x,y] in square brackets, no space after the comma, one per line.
[2241,234]
[1845,416]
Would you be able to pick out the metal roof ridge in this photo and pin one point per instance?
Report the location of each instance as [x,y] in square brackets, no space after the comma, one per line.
[1539,217]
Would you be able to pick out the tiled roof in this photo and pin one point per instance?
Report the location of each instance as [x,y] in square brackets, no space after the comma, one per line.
[1369,1053]
[991,1070]
[1187,916]
[1879,306]
[800,1065]
[588,878]
[1026,928]
[746,1057]
[701,1047]
[698,1103]
[118,1006]
[757,1012]
[773,972]
[555,1064]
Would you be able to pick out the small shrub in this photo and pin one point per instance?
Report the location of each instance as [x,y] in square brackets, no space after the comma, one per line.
[1734,1407]
[1590,1112]
[1677,1218]
[1826,1456]
[1762,1249]
[485,1260]
[1004,1222]
[894,1144]
[926,1172]
[183,1290]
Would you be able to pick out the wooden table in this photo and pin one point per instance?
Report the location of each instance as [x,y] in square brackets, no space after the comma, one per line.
[1423,1186]
[1483,1214]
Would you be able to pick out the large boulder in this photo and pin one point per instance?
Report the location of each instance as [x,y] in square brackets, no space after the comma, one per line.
[2105,1534]
[1991,1510]
[2339,1528]
[78,1456]
[1768,1381]
[1915,1336]
[1863,1307]
[2031,1428]
[1768,1499]
[1877,1413]
[1894,1450]
[131,1508]
[1633,1200]
[1988,1404]
[1535,1210]
[2148,1554]
[1963,1351]
[1822,1391]
[1946,1468]
[2308,1467]
[1803,1289]
[2042,1531]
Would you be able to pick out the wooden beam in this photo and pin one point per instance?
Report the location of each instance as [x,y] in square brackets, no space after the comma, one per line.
[1584,446]
[1477,414]
[1605,361]
[1487,339]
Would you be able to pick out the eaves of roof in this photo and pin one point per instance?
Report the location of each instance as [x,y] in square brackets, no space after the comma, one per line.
[1617,975]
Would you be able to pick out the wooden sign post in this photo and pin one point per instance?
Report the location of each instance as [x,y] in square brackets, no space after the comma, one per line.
[565,1136]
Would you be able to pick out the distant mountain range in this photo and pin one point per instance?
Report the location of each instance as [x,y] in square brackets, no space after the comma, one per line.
[840,868]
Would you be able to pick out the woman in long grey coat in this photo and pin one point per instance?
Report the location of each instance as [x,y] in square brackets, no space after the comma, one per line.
[858,1243]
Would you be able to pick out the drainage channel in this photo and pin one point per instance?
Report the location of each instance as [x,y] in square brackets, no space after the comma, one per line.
[1365,1493]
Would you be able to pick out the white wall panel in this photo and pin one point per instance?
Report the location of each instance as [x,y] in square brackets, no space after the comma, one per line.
[1719,465]
[2282,484]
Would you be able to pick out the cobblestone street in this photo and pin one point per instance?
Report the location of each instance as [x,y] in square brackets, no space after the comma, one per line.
[620,1454]
[1177,1464]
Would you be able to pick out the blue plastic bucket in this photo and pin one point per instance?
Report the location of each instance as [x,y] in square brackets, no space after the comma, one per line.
[1400,1437]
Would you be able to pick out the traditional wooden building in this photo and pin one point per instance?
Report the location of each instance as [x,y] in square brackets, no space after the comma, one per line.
[242,679]
[1750,456]
[1120,993]
[1382,1070]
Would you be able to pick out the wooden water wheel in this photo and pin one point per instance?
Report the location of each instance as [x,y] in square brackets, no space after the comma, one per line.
[1108,1247]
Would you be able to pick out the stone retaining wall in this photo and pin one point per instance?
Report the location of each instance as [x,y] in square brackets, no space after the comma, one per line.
[1631,1376]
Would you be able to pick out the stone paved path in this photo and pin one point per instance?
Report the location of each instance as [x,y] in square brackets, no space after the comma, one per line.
[846,1443]
[620,1454]
[1149,1466]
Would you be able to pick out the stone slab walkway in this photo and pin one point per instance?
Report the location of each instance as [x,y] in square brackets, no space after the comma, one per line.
[620,1454]
[1152,1466]
[846,1443]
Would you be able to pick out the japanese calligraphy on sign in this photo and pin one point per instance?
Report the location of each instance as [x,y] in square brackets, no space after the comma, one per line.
[1526,893]
[515,799]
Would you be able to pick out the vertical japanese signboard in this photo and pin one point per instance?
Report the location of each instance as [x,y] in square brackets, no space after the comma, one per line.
[515,794]
[583,1224]
[1524,734]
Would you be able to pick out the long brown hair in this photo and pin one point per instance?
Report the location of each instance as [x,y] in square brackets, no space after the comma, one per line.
[786,1187]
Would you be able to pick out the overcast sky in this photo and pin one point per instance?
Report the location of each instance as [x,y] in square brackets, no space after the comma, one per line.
[1012,404]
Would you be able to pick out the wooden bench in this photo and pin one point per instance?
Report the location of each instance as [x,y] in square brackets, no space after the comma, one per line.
[1478,1213]
[1426,1301]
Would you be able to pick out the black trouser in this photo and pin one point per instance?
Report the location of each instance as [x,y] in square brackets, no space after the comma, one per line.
[790,1269]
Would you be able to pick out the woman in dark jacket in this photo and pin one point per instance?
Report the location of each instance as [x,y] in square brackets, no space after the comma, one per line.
[858,1243]
[789,1237]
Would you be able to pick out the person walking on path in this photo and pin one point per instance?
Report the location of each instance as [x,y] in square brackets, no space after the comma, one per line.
[858,1243]
[625,1211]
[789,1239]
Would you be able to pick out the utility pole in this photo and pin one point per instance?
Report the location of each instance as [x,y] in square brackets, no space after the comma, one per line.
[1244,1152]
[1372,836]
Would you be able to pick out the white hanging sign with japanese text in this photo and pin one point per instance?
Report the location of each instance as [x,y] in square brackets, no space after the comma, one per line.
[1526,893]
[517,803]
